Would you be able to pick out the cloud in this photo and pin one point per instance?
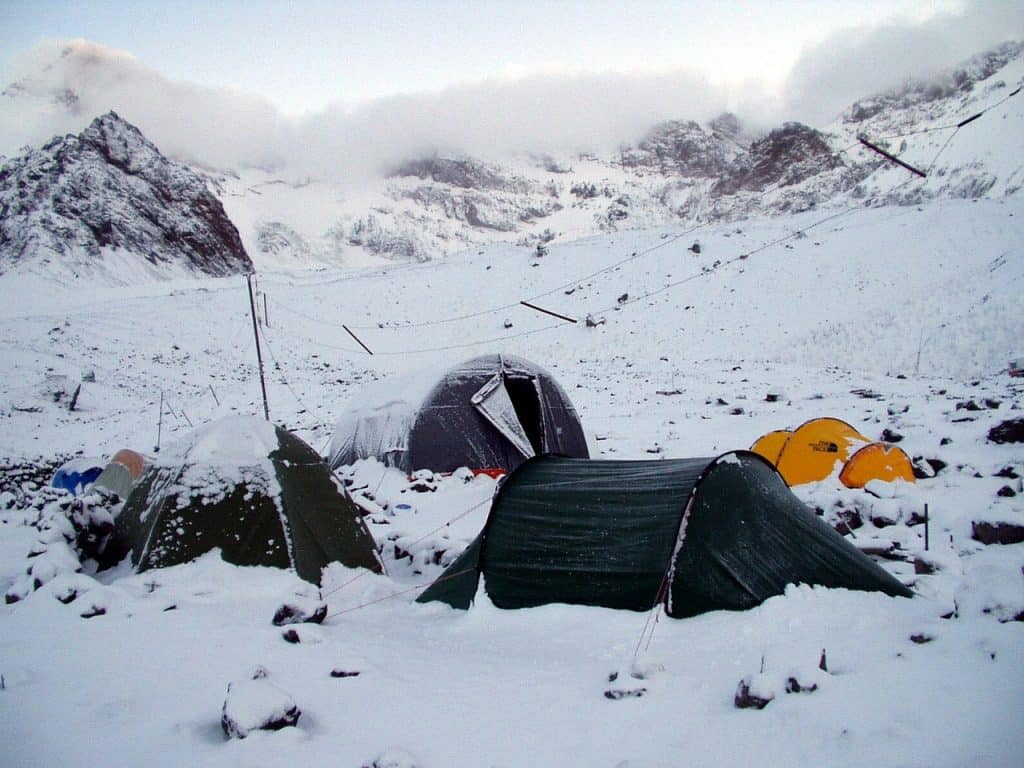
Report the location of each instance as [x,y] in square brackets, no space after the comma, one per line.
[854,63]
[63,85]
[60,86]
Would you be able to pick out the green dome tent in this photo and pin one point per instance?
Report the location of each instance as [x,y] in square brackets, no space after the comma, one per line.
[250,488]
[694,534]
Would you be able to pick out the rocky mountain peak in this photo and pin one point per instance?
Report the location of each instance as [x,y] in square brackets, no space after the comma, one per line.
[462,172]
[79,199]
[680,148]
[786,156]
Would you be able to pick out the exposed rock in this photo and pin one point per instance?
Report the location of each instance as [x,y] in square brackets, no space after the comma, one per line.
[786,156]
[745,699]
[110,190]
[394,758]
[298,612]
[1009,431]
[681,148]
[466,173]
[997,533]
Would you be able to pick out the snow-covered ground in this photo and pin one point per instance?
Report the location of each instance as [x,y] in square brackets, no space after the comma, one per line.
[898,318]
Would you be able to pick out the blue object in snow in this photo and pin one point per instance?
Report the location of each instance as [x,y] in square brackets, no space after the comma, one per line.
[74,480]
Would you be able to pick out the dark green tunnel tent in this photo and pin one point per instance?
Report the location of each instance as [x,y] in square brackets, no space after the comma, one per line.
[253,490]
[694,534]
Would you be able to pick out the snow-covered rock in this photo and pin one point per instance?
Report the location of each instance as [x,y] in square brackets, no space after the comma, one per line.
[257,704]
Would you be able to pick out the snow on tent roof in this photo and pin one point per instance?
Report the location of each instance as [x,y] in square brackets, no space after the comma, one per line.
[231,441]
[489,413]
[876,461]
[256,492]
[694,535]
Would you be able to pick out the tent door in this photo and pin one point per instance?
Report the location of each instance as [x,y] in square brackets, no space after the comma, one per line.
[493,402]
[526,399]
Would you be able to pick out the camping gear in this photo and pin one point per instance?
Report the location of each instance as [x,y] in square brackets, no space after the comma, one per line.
[76,475]
[770,444]
[489,414]
[122,472]
[817,448]
[694,535]
[814,448]
[877,461]
[256,492]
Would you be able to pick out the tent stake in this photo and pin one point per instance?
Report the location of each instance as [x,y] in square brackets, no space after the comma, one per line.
[259,353]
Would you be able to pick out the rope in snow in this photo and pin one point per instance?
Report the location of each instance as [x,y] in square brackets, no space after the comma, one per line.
[411,544]
[407,590]
[741,257]
[632,257]
[280,371]
[418,350]
[955,127]
[504,307]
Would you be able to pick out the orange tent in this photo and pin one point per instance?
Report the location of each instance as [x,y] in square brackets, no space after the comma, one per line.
[876,461]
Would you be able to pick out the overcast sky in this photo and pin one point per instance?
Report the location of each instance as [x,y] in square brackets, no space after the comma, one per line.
[476,74]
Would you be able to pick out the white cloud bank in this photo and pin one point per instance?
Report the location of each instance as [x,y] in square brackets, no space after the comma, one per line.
[61,85]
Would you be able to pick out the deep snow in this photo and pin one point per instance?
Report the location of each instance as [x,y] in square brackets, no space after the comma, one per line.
[894,317]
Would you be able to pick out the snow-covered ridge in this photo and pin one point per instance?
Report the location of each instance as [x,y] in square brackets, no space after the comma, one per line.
[681,173]
[105,204]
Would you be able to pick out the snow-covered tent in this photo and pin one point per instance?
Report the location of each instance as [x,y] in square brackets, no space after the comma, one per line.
[490,414]
[877,461]
[694,535]
[256,492]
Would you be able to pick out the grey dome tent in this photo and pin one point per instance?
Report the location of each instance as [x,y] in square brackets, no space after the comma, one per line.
[695,535]
[250,488]
[490,414]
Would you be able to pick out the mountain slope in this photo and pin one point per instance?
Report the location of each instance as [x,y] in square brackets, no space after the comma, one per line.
[681,172]
[106,202]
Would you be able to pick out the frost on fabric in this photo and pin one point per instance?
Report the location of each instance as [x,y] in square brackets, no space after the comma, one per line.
[380,417]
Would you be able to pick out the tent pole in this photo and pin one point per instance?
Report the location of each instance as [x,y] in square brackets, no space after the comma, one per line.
[259,353]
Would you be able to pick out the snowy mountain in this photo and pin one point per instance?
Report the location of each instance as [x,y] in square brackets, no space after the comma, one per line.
[106,204]
[433,205]
[735,282]
[681,172]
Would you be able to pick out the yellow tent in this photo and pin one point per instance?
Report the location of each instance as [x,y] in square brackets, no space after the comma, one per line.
[876,461]
[770,444]
[811,452]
